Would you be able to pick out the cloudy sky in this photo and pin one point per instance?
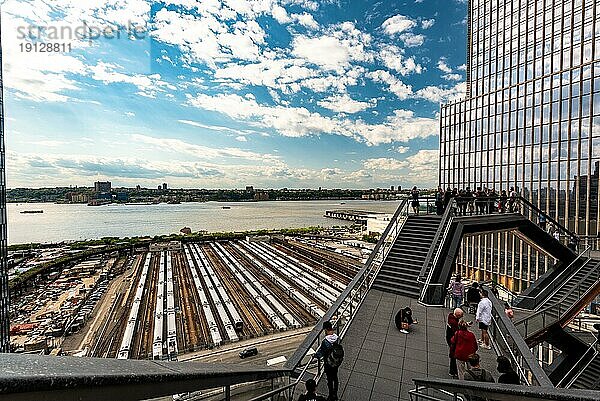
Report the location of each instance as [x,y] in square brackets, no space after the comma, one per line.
[228,93]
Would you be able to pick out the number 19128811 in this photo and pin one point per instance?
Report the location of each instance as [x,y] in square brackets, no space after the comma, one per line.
[45,47]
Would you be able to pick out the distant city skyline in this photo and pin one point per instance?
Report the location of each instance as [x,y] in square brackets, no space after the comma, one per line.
[215,94]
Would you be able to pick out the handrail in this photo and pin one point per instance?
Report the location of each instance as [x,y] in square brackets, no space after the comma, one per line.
[560,309]
[518,349]
[550,219]
[37,377]
[495,391]
[349,300]
[446,227]
[555,280]
[299,354]
[593,347]
[441,228]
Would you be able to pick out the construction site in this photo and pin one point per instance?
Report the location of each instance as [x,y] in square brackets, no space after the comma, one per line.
[179,298]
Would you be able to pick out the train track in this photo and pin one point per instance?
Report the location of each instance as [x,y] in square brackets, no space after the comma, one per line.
[323,266]
[113,324]
[192,326]
[212,305]
[254,319]
[344,267]
[188,318]
[296,309]
[142,343]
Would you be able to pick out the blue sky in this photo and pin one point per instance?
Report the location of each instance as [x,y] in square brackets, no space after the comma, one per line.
[228,93]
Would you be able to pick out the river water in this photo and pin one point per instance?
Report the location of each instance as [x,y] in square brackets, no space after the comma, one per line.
[78,222]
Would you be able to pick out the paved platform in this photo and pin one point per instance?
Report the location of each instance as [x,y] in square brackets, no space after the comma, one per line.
[380,362]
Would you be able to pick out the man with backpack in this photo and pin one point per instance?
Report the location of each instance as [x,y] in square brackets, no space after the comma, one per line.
[332,353]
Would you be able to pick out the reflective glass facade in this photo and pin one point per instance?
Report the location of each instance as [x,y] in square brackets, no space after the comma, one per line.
[531,120]
[4,297]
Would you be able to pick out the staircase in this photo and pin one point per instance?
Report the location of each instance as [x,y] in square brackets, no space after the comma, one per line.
[589,379]
[403,264]
[559,309]
[570,291]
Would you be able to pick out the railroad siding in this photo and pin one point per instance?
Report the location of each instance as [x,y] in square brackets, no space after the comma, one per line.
[212,293]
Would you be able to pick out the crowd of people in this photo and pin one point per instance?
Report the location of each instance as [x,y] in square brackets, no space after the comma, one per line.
[482,200]
[462,343]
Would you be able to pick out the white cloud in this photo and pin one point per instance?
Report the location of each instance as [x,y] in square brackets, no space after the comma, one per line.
[443,66]
[452,77]
[427,23]
[280,14]
[334,50]
[201,152]
[344,104]
[326,51]
[278,74]
[393,58]
[423,167]
[439,94]
[396,86]
[398,24]
[384,163]
[412,40]
[402,126]
[402,149]
[306,20]
[241,138]
[148,85]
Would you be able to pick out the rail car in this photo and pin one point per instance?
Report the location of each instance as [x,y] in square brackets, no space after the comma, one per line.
[127,339]
[259,293]
[236,319]
[321,276]
[305,281]
[214,290]
[210,320]
[314,310]
[157,346]
[171,324]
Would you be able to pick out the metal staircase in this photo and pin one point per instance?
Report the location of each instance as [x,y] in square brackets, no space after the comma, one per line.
[559,309]
[589,378]
[404,261]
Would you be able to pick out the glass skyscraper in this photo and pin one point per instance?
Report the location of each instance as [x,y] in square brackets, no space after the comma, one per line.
[4,297]
[530,120]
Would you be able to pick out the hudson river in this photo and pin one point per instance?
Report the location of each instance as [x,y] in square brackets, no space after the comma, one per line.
[78,222]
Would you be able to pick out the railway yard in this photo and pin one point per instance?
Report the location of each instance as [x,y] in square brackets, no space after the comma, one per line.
[198,296]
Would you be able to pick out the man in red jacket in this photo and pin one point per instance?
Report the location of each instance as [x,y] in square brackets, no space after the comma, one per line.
[451,329]
[463,345]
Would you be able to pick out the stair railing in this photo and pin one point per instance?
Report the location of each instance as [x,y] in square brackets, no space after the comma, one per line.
[557,283]
[534,211]
[446,217]
[556,312]
[581,365]
[508,342]
[426,285]
[461,389]
[343,310]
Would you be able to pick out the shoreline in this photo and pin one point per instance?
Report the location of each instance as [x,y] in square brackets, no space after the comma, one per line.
[207,201]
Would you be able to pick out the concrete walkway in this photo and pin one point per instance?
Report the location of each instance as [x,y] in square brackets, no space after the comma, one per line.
[380,362]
